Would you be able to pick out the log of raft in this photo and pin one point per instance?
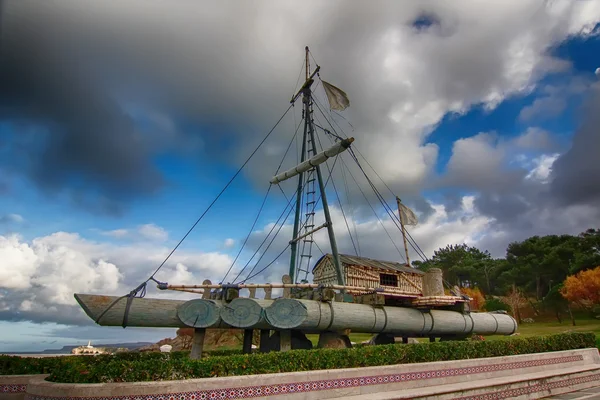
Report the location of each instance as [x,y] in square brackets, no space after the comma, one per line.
[296,314]
[155,313]
[310,315]
[246,313]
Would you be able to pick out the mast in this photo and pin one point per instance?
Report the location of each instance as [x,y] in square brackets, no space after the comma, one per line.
[399,202]
[309,138]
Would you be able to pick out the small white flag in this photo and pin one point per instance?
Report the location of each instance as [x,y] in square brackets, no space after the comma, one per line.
[408,216]
[338,100]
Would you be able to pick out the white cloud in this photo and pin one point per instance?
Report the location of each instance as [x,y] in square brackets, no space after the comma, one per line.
[149,232]
[229,243]
[543,167]
[543,107]
[11,219]
[153,232]
[42,275]
[534,139]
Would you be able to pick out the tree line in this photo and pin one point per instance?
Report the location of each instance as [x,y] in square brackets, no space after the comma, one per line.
[536,267]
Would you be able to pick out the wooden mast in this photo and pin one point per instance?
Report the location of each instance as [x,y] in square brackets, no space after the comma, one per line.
[309,137]
[398,201]
[294,245]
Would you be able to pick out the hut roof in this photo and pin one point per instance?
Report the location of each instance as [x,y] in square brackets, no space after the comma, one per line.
[369,262]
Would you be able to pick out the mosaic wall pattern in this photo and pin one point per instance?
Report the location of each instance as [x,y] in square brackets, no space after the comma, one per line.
[13,388]
[310,386]
[542,387]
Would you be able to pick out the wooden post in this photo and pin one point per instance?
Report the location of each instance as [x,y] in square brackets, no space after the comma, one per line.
[268,292]
[247,347]
[286,340]
[206,294]
[287,292]
[197,343]
[264,340]
[252,292]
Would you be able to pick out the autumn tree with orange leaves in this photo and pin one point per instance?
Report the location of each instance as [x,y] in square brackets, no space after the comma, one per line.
[477,298]
[583,288]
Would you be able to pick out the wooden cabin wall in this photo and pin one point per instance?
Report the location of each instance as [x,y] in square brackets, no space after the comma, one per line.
[325,273]
[365,276]
[358,275]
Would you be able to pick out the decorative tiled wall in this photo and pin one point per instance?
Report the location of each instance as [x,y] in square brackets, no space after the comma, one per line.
[13,388]
[537,388]
[310,386]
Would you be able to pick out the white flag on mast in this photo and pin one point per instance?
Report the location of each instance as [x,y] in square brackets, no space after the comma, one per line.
[338,99]
[408,216]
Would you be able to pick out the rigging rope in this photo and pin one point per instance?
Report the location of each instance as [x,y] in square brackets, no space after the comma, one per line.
[141,289]
[221,192]
[265,239]
[263,204]
[340,203]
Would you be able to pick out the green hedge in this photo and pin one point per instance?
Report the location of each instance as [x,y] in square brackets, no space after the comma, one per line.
[15,365]
[138,367]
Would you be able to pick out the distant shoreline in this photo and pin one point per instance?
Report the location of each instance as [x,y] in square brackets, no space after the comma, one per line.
[36,355]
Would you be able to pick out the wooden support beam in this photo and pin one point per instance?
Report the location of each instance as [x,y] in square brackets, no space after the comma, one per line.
[286,340]
[264,340]
[197,343]
[252,291]
[206,294]
[268,292]
[287,292]
[247,347]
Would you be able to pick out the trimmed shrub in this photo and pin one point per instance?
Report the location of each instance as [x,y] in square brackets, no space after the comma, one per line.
[495,304]
[139,367]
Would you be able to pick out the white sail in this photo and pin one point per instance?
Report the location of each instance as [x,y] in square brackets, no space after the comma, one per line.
[408,216]
[338,99]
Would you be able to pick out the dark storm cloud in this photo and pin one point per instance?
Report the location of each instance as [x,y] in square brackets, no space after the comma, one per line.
[82,140]
[576,173]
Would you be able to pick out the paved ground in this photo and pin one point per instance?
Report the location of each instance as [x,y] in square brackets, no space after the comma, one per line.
[591,394]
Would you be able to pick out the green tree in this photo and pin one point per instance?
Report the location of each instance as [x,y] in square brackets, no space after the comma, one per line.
[536,261]
[588,251]
[462,265]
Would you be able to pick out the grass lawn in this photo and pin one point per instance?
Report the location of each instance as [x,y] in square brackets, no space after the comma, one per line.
[547,328]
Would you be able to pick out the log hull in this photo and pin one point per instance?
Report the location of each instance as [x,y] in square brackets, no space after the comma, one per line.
[304,315]
[400,321]
[144,312]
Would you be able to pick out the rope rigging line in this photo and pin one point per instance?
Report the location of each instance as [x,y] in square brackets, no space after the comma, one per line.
[268,246]
[386,206]
[263,204]
[141,289]
[374,212]
[265,239]
[302,226]
[353,219]
[340,203]
[222,191]
[249,233]
[373,209]
[357,184]
[412,242]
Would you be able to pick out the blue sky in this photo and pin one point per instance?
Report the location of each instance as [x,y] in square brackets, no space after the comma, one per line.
[163,153]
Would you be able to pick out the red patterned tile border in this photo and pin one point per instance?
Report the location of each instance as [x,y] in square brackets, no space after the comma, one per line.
[311,386]
[507,394]
[13,388]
